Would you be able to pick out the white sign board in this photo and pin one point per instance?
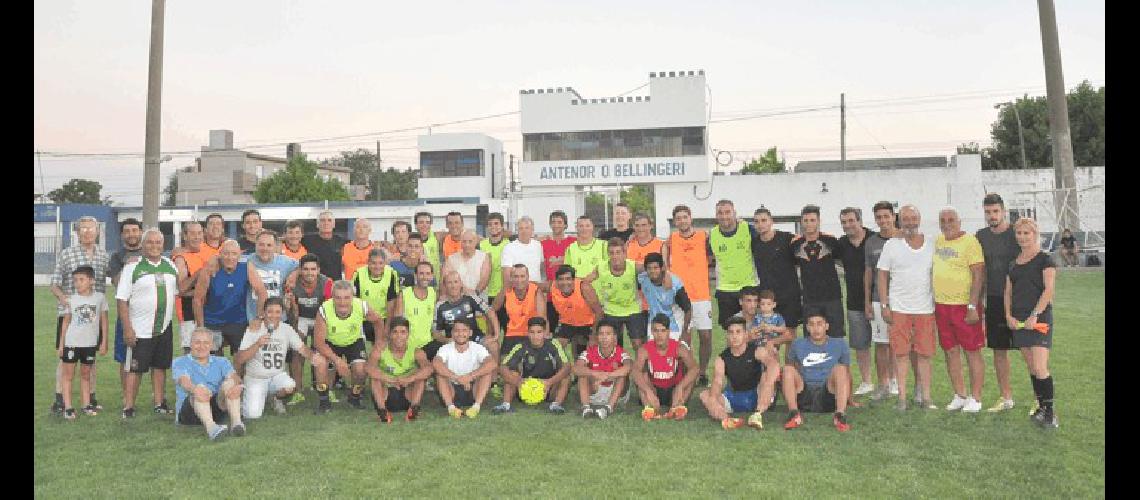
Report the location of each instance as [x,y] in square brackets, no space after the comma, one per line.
[615,171]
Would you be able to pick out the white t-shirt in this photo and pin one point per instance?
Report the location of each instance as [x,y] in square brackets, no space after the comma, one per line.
[911,289]
[149,289]
[468,269]
[529,254]
[270,358]
[462,363]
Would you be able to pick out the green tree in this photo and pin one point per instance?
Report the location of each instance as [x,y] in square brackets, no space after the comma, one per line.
[170,192]
[299,182]
[639,198]
[1086,126]
[79,191]
[398,184]
[390,184]
[770,163]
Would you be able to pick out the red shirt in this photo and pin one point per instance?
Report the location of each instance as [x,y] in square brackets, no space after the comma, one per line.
[595,361]
[555,250]
[666,369]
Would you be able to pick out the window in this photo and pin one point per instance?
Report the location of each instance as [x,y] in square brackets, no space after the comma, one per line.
[600,144]
[260,172]
[461,163]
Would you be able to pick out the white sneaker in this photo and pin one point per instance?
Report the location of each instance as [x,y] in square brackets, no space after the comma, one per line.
[956,404]
[864,388]
[972,406]
[918,395]
[894,387]
[278,406]
[1002,405]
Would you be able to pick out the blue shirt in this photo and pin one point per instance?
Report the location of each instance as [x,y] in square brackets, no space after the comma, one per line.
[225,300]
[406,274]
[211,375]
[273,274]
[661,301]
[816,361]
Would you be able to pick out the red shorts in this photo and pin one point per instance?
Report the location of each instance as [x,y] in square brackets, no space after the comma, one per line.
[953,330]
[912,332]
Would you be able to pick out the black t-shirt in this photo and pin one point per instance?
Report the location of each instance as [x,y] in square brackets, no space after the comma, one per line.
[816,259]
[446,313]
[1028,284]
[538,362]
[247,247]
[1069,242]
[854,263]
[119,260]
[998,250]
[743,373]
[611,233]
[328,251]
[776,267]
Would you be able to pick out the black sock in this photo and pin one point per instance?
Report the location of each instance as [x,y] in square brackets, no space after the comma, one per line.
[92,398]
[1036,388]
[1047,393]
[59,398]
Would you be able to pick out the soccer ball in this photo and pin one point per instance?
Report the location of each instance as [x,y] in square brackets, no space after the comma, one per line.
[532,391]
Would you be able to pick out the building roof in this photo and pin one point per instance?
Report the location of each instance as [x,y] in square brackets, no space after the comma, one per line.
[872,164]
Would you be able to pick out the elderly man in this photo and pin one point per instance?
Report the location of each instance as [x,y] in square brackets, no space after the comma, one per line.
[339,336]
[907,300]
[146,298]
[959,273]
[272,269]
[220,297]
[86,253]
[526,251]
[472,264]
[326,245]
[207,388]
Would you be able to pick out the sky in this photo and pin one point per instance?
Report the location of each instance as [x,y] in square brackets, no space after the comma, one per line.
[920,77]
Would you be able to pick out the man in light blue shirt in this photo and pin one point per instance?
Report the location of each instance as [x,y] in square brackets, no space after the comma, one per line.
[816,376]
[663,296]
[272,269]
[210,386]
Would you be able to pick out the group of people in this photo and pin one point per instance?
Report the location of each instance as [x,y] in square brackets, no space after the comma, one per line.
[511,315]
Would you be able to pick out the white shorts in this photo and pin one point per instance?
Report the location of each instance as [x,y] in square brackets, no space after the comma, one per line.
[880,330]
[256,390]
[602,395]
[702,315]
[305,327]
[185,331]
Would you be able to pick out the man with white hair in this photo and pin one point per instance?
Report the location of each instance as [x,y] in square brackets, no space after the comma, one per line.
[907,299]
[355,253]
[208,388]
[959,273]
[339,337]
[326,245]
[220,297]
[146,298]
[526,251]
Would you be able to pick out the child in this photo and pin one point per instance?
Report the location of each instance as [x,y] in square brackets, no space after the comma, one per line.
[83,329]
[767,320]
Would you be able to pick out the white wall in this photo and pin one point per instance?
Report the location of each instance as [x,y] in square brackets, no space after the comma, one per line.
[539,202]
[452,187]
[677,101]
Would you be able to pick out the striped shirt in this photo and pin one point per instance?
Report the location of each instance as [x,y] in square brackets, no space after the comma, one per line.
[149,289]
[73,257]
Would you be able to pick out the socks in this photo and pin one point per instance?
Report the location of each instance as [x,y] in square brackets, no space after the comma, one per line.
[1047,393]
[1036,388]
[59,398]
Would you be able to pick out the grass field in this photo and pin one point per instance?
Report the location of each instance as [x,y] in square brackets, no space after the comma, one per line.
[533,454]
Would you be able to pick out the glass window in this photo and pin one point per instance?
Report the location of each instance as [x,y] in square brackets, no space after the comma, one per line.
[604,144]
[462,163]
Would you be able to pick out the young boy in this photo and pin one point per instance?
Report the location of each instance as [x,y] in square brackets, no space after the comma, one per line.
[770,323]
[83,329]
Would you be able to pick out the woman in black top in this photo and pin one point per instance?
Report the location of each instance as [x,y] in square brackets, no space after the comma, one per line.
[1029,312]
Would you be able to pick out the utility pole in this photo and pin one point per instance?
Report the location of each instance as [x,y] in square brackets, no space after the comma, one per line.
[843,132]
[153,117]
[1064,177]
[43,190]
[379,166]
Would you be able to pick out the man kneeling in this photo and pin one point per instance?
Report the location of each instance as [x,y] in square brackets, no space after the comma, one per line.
[602,371]
[816,377]
[263,352]
[747,373]
[536,358]
[207,387]
[659,374]
[399,373]
[463,371]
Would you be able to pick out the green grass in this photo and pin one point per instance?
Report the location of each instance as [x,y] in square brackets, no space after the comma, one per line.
[533,454]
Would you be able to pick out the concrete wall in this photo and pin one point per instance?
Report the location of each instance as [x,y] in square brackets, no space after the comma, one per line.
[539,202]
[672,101]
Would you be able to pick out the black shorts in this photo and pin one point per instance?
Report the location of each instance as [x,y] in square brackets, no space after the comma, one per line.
[998,335]
[816,399]
[835,313]
[463,397]
[232,333]
[665,396]
[1023,337]
[352,352]
[791,309]
[509,343]
[501,314]
[153,353]
[727,305]
[552,316]
[186,415]
[574,333]
[58,331]
[84,355]
[634,326]
[396,400]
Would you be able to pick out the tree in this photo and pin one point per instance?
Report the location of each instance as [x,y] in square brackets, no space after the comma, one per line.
[639,198]
[79,191]
[299,182]
[767,164]
[398,184]
[390,184]
[1086,126]
[170,192]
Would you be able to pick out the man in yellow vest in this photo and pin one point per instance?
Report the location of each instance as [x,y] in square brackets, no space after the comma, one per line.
[339,336]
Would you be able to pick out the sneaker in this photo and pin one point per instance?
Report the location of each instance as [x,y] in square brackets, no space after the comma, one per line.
[1049,420]
[502,408]
[1036,406]
[956,404]
[917,396]
[1038,415]
[473,412]
[217,432]
[756,421]
[864,388]
[332,397]
[384,415]
[279,406]
[972,406]
[128,413]
[703,381]
[297,399]
[413,413]
[588,412]
[162,409]
[678,413]
[95,403]
[730,423]
[604,412]
[355,402]
[1001,405]
[237,430]
[455,412]
[324,407]
[840,421]
[794,420]
[648,413]
[894,387]
[69,413]
[557,409]
[57,409]
[90,410]
[929,405]
[880,393]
